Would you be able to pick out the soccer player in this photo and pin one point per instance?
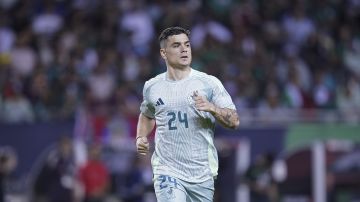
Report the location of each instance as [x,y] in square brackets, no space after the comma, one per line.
[184,103]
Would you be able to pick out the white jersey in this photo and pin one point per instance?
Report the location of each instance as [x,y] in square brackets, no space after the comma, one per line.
[184,146]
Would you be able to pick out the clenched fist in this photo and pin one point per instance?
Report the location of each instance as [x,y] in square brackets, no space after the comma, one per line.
[202,104]
[142,145]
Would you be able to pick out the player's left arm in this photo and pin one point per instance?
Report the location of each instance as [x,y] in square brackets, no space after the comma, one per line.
[225,116]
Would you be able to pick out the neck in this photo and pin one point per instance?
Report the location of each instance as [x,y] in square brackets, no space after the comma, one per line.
[177,74]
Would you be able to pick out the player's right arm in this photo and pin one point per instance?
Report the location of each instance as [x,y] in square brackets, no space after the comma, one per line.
[144,127]
[146,121]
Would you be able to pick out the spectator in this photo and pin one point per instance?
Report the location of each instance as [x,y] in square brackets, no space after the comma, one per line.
[352,56]
[55,181]
[322,93]
[134,185]
[101,84]
[260,180]
[7,36]
[23,56]
[94,176]
[348,100]
[17,108]
[294,93]
[48,22]
[8,162]
[297,25]
[209,27]
[271,110]
[139,24]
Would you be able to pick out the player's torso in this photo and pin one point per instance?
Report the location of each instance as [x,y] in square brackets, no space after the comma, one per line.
[183,133]
[174,106]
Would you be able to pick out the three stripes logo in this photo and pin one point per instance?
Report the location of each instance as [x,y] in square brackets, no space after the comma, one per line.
[159,102]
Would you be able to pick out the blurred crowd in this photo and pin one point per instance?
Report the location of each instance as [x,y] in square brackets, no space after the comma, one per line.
[58,177]
[57,56]
[87,60]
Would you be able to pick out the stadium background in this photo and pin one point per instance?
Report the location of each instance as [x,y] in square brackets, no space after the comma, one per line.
[77,68]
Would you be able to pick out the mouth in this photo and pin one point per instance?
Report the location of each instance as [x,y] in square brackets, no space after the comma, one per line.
[184,57]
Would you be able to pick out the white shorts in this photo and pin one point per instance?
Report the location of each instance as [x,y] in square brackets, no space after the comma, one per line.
[171,189]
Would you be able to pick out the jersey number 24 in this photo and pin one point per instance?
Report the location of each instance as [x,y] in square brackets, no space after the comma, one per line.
[182,117]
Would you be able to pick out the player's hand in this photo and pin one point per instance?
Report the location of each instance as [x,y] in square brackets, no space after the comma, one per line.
[142,145]
[201,103]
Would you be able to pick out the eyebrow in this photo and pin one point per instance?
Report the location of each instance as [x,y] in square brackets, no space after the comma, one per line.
[178,43]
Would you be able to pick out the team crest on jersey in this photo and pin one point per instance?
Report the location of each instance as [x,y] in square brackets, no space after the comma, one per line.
[190,99]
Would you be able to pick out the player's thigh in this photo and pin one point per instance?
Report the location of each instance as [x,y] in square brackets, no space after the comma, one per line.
[169,189]
[201,192]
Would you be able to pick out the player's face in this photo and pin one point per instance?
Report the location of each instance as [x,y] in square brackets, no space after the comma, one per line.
[177,51]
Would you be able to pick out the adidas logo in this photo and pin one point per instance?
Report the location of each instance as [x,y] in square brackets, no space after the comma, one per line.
[159,102]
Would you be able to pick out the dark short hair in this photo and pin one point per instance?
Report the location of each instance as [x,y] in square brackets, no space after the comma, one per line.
[170,31]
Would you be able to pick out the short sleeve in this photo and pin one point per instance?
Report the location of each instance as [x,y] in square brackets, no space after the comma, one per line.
[146,107]
[221,97]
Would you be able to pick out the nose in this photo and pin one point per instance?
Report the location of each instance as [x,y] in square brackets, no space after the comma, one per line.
[184,48]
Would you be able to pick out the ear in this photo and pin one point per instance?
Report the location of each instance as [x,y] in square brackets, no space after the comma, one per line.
[163,53]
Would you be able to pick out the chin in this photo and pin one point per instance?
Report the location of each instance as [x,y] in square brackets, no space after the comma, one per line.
[181,65]
[185,63]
